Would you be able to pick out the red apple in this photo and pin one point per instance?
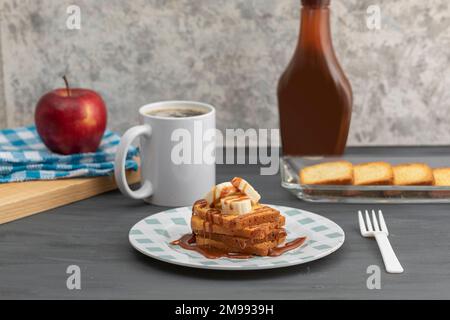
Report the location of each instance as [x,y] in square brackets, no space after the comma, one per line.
[71,120]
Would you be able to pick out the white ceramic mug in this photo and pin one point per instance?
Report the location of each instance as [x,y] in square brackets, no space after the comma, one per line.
[166,181]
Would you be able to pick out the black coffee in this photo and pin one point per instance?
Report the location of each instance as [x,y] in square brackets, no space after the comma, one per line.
[176,112]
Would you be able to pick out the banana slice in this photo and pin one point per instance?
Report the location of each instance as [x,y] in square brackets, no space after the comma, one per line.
[220,191]
[246,189]
[236,204]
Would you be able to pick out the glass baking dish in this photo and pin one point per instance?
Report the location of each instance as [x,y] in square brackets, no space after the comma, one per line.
[290,167]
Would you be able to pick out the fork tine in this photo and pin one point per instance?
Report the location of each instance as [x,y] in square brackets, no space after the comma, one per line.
[362,226]
[382,222]
[369,224]
[375,221]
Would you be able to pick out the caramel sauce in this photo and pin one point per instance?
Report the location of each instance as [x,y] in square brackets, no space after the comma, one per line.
[223,193]
[236,181]
[314,95]
[201,203]
[188,242]
[209,219]
[235,198]
[291,245]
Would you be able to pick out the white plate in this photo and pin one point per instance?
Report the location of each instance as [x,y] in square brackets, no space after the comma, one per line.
[152,237]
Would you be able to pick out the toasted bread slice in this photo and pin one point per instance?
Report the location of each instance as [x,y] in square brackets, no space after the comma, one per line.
[256,232]
[259,215]
[259,249]
[441,177]
[373,173]
[328,173]
[239,242]
[413,174]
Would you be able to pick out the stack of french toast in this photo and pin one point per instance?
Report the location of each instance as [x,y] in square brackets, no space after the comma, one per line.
[231,219]
[374,173]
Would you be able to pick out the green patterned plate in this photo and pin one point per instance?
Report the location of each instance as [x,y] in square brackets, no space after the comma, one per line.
[152,237]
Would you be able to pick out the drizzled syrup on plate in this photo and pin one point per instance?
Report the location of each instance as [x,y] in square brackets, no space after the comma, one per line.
[188,242]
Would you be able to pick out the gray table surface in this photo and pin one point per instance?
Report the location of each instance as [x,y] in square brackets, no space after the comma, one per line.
[35,252]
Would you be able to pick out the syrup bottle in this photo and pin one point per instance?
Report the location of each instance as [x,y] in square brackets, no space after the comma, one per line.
[314,95]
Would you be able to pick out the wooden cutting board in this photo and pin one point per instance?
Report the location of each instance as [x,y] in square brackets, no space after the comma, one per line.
[22,199]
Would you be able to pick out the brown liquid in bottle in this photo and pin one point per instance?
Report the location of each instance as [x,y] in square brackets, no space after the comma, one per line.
[314,95]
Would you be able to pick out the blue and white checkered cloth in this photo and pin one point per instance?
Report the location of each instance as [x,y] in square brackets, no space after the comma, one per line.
[23,157]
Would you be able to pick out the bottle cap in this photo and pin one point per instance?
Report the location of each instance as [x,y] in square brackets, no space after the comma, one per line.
[316,3]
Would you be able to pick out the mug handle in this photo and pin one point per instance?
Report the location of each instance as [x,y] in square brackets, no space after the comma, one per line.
[146,189]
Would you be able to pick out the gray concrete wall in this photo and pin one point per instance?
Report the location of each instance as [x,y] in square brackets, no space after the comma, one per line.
[3,122]
[230,53]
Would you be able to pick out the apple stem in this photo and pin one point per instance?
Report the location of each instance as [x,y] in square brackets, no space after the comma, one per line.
[67,85]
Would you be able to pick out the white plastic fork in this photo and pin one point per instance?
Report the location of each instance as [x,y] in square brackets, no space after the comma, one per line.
[380,232]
